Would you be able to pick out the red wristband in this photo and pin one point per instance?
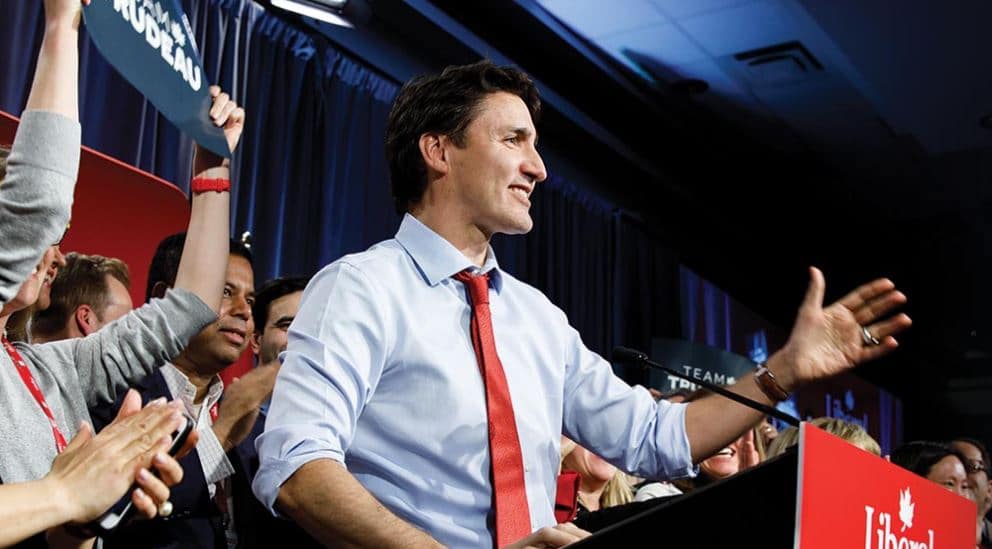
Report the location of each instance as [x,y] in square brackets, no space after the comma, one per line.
[203,184]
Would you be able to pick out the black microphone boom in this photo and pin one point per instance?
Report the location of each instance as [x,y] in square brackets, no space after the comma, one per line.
[632,356]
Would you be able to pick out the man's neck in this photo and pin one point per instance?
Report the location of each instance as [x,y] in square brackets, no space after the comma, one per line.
[67,332]
[199,380]
[38,338]
[468,238]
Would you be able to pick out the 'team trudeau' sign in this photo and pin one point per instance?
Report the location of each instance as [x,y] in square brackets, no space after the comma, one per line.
[150,43]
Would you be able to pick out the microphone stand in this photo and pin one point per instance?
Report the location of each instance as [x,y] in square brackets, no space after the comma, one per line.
[633,356]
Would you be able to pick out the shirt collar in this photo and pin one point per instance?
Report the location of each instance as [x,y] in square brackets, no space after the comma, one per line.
[181,387]
[437,259]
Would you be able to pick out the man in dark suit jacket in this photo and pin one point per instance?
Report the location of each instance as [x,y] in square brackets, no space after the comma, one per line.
[208,505]
[197,520]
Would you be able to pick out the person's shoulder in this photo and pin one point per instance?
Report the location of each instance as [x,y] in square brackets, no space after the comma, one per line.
[382,261]
[530,294]
[382,255]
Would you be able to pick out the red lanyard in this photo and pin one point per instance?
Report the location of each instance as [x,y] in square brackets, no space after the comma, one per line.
[32,386]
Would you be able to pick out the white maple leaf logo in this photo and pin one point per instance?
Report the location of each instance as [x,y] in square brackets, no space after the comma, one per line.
[906,507]
[178,35]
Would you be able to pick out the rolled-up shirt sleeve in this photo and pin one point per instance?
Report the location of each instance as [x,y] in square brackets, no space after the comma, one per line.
[108,361]
[336,352]
[624,425]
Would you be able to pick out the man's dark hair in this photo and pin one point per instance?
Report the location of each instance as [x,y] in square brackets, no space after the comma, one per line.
[920,456]
[981,449]
[446,104]
[83,281]
[165,262]
[271,291]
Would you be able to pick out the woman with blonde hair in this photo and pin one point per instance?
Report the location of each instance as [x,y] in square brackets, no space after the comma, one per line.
[851,432]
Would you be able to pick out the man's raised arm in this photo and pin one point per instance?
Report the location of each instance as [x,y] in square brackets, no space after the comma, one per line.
[824,342]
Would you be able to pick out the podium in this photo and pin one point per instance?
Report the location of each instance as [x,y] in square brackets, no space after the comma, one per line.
[825,493]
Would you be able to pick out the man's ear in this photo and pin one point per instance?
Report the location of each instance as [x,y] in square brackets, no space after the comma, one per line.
[255,342]
[433,149]
[158,290]
[86,321]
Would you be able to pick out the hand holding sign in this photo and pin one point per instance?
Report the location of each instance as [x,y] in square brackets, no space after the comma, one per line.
[149,42]
[225,114]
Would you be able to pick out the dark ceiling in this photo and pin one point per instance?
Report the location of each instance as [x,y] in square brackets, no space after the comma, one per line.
[844,134]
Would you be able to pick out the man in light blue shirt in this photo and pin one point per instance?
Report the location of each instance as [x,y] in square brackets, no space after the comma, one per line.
[377,435]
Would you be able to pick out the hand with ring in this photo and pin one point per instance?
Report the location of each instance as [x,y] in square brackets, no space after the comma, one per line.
[855,329]
[868,338]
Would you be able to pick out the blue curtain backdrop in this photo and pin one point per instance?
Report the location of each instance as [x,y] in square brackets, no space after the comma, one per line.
[310,177]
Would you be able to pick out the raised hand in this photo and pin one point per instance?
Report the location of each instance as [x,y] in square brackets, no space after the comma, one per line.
[827,341]
[747,452]
[241,404]
[226,114]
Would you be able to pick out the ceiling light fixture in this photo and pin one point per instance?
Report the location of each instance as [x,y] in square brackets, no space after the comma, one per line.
[328,11]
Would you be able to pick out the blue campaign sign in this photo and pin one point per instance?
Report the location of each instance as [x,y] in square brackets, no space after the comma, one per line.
[150,43]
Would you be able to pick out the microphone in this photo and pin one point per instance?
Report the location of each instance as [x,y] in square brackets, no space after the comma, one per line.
[627,355]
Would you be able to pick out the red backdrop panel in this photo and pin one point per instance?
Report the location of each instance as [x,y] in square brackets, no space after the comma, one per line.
[120,211]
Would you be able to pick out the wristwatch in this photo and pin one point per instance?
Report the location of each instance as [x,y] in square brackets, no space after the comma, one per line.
[769,385]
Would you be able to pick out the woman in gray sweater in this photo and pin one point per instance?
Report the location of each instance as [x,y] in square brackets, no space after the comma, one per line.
[45,390]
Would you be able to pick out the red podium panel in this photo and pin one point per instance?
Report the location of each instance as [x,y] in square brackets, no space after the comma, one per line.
[119,211]
[825,493]
[851,498]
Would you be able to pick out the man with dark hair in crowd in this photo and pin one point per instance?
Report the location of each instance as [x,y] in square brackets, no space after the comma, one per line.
[206,503]
[276,304]
[977,466]
[90,292]
[424,389]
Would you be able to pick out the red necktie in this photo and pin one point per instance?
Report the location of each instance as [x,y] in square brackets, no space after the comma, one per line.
[509,489]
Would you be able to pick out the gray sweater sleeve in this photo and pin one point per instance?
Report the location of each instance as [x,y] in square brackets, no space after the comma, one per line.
[36,194]
[129,348]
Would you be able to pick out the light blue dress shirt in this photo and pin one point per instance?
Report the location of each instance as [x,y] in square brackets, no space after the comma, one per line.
[380,375]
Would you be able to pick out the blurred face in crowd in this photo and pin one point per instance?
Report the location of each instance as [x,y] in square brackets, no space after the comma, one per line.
[978,477]
[45,294]
[118,303]
[950,473]
[767,431]
[221,343]
[27,294]
[726,462]
[496,170]
[270,340]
